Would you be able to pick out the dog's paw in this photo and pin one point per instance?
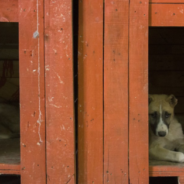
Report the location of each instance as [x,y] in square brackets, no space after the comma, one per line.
[180,157]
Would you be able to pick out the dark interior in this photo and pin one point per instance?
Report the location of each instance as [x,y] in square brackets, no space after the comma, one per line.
[163,180]
[9,92]
[166,63]
[166,73]
[10,179]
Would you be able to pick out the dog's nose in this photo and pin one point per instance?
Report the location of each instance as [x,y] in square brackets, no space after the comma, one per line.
[161,133]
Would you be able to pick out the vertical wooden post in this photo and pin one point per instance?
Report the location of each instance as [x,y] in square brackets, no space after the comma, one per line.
[32,94]
[116,92]
[60,131]
[138,92]
[90,98]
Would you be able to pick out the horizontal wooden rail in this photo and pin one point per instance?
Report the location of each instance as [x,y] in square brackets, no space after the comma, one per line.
[9,10]
[167,1]
[166,15]
[9,169]
[163,168]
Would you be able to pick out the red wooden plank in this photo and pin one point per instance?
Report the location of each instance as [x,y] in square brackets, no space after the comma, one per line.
[166,15]
[9,169]
[59,92]
[166,1]
[116,92]
[8,10]
[32,94]
[90,99]
[162,171]
[138,92]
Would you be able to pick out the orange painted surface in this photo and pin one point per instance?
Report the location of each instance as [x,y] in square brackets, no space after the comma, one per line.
[90,98]
[138,92]
[9,169]
[116,92]
[60,129]
[160,171]
[181,180]
[166,1]
[8,10]
[32,93]
[166,14]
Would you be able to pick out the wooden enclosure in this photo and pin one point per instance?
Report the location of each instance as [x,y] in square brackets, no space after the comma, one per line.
[125,50]
[46,91]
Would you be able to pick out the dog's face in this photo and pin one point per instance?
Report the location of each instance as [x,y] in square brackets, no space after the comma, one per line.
[161,113]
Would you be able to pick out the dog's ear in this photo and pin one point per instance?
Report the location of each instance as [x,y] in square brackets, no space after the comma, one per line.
[150,99]
[172,100]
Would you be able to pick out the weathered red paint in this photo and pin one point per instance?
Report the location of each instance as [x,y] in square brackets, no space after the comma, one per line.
[90,90]
[32,92]
[60,134]
[167,1]
[138,92]
[116,92]
[8,10]
[10,169]
[166,170]
[166,14]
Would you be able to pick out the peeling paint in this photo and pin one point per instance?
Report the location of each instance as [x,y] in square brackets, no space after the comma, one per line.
[61,82]
[39,121]
[36,34]
[50,99]
[57,106]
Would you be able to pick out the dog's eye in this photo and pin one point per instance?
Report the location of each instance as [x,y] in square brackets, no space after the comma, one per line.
[153,115]
[167,115]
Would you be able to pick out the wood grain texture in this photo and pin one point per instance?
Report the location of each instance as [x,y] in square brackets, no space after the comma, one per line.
[10,169]
[138,92]
[32,93]
[116,92]
[164,168]
[60,134]
[166,14]
[9,11]
[90,90]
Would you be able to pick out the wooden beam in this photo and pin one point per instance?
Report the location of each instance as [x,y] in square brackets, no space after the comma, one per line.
[138,92]
[116,92]
[10,169]
[90,92]
[8,10]
[166,15]
[32,91]
[60,118]
[167,1]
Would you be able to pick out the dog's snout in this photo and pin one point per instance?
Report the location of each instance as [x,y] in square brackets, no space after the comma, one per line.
[162,133]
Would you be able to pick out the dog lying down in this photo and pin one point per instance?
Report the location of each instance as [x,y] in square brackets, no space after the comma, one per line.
[9,121]
[166,139]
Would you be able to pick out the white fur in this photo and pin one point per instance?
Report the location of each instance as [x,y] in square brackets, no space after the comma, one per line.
[161,125]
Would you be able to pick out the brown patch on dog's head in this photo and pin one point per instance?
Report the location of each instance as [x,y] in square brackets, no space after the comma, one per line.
[172,100]
[161,113]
